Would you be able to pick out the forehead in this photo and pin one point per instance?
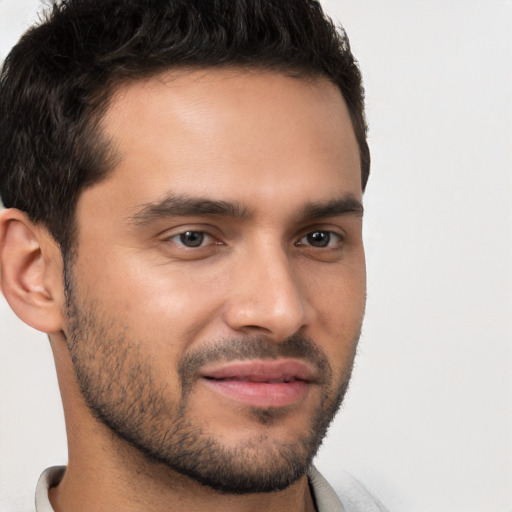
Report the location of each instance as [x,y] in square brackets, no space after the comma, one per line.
[230,135]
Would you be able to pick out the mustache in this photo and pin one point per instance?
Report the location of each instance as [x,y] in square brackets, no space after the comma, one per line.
[297,346]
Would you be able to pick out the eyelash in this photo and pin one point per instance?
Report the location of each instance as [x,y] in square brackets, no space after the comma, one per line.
[330,234]
[204,234]
[177,239]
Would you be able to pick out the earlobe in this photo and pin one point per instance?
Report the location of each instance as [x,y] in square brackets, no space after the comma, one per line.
[30,272]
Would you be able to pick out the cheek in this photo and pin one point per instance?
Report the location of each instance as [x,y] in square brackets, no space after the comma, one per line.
[164,303]
[339,301]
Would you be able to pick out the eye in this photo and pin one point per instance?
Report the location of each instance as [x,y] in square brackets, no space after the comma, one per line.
[321,239]
[192,239]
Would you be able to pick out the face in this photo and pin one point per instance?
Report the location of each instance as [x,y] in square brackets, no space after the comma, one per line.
[217,293]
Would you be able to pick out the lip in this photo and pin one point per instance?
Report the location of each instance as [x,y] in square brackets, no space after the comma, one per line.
[261,383]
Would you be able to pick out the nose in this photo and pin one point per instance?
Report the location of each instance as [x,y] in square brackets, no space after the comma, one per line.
[267,296]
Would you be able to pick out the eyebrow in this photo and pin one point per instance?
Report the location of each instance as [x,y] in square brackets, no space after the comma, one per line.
[334,208]
[186,206]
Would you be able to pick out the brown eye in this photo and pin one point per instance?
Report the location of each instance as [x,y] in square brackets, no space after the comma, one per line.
[320,239]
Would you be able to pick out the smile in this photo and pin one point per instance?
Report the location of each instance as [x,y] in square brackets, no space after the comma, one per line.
[261,383]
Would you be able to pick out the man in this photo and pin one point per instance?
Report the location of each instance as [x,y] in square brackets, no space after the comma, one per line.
[183,183]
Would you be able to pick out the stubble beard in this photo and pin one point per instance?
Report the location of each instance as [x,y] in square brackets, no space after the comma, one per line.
[118,385]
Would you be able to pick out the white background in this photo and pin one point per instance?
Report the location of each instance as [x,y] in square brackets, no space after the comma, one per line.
[427,425]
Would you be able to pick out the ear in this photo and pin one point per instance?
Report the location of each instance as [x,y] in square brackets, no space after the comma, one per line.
[31,272]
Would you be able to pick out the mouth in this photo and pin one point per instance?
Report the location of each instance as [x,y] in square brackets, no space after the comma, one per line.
[265,383]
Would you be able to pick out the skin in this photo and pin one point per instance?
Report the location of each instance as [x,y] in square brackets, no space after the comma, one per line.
[268,143]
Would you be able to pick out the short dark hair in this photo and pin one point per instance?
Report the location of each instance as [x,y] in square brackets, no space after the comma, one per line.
[56,82]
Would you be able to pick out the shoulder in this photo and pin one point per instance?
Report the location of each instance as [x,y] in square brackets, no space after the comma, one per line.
[350,495]
[49,478]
